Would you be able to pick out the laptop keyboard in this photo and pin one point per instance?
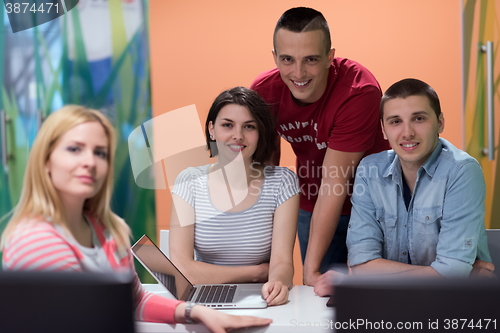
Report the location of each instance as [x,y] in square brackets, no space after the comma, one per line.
[216,294]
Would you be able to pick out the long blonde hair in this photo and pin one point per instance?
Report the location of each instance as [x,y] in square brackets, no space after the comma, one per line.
[39,197]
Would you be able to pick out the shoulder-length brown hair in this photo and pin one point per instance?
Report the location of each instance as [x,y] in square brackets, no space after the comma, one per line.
[259,110]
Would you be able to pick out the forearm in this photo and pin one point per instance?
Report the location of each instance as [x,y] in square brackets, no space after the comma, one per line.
[328,207]
[283,272]
[198,312]
[324,223]
[203,273]
[180,312]
[390,267]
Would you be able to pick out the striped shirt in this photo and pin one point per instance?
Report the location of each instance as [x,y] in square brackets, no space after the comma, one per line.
[235,238]
[38,245]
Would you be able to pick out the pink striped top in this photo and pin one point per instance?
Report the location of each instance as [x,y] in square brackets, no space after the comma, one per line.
[41,246]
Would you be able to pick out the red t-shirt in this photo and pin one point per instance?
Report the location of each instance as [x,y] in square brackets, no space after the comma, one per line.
[346,118]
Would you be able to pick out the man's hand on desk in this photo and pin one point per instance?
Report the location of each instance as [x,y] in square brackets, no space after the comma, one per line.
[310,278]
[324,285]
[275,293]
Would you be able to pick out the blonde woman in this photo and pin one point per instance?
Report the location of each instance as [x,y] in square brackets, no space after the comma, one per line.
[63,221]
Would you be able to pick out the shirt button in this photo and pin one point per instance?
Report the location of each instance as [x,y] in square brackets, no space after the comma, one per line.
[427,217]
[405,226]
[404,253]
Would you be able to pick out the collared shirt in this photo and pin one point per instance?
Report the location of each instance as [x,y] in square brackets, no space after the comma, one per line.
[443,226]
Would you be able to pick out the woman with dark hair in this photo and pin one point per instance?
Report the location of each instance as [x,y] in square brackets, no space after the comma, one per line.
[235,221]
[63,221]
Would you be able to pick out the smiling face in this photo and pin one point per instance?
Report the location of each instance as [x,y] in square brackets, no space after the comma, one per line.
[303,63]
[78,165]
[412,128]
[235,130]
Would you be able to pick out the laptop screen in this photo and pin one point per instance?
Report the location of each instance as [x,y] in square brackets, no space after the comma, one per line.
[162,269]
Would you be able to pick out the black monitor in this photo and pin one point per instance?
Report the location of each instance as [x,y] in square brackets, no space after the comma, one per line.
[417,305]
[66,302]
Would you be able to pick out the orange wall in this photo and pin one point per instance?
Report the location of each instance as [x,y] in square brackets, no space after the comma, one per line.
[200,48]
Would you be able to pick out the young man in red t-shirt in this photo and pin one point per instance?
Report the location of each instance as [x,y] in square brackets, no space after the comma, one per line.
[327,108]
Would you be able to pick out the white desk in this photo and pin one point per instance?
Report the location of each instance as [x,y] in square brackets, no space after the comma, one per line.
[305,312]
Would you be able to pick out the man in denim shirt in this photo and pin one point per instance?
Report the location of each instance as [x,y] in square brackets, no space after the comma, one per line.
[417,209]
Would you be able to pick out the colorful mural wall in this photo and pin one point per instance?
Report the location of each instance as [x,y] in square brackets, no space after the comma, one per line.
[482,132]
[96,55]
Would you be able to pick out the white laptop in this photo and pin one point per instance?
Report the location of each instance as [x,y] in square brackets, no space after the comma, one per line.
[218,296]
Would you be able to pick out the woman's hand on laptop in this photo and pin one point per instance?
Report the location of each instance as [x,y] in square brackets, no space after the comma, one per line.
[219,322]
[275,293]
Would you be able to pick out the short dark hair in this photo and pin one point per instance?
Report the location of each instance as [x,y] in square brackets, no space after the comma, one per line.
[411,87]
[303,19]
[261,112]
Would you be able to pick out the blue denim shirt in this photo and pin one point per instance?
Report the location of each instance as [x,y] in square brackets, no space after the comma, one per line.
[444,224]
